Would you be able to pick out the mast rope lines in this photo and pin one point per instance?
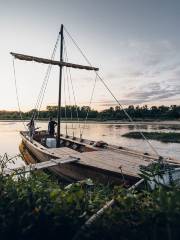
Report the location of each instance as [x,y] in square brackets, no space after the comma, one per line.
[17,95]
[68,76]
[65,106]
[59,63]
[108,89]
[70,82]
[46,79]
[90,102]
[40,97]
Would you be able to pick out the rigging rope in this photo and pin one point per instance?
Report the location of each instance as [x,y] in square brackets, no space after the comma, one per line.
[68,89]
[40,98]
[69,95]
[90,102]
[17,95]
[73,91]
[105,85]
[87,112]
[39,101]
[65,112]
[45,82]
[43,92]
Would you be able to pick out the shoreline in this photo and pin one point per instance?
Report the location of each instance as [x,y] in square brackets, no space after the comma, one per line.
[165,137]
[150,122]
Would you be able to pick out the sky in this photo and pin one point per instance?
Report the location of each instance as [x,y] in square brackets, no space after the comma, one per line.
[134,43]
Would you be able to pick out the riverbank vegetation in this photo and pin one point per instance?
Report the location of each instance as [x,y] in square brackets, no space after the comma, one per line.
[113,113]
[37,206]
[169,137]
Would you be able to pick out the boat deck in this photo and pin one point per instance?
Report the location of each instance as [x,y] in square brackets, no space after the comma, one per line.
[110,161]
[116,161]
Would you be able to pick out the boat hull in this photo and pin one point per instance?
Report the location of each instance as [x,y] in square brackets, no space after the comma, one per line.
[75,171]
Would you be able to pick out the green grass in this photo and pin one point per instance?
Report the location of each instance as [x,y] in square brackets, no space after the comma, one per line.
[38,207]
[170,137]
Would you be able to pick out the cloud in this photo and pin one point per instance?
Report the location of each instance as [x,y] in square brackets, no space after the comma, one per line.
[145,58]
[150,72]
[177,73]
[150,53]
[148,93]
[156,91]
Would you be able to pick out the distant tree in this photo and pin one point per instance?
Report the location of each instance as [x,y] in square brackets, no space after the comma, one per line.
[154,112]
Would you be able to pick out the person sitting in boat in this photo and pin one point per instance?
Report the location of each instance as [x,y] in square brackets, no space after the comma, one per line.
[31,127]
[51,126]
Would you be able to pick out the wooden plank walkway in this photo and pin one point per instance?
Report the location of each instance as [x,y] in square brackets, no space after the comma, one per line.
[40,166]
[115,161]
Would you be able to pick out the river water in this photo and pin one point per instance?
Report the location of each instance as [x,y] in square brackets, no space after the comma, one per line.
[108,132]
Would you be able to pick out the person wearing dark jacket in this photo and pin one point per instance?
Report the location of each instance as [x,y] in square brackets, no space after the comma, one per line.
[51,126]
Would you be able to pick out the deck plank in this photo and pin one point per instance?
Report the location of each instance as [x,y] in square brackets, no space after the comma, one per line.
[115,161]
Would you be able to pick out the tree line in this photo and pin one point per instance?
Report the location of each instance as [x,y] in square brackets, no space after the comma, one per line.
[113,113]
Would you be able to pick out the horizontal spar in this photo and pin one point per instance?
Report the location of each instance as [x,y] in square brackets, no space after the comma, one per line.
[52,62]
[41,165]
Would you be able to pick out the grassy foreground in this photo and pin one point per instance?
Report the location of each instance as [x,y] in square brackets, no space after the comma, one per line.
[170,137]
[38,207]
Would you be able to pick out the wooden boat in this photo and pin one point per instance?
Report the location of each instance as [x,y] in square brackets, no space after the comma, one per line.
[96,160]
[104,163]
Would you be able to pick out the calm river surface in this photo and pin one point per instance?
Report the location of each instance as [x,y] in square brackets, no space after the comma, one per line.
[111,133]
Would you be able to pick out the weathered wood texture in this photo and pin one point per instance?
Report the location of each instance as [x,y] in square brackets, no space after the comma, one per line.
[40,166]
[50,61]
[115,161]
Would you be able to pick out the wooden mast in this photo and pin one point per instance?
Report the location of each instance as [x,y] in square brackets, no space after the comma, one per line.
[60,83]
